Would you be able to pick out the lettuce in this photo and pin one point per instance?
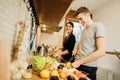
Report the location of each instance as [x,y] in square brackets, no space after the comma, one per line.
[39,62]
[51,60]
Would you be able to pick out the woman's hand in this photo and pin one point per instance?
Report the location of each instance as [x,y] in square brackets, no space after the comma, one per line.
[57,55]
[56,49]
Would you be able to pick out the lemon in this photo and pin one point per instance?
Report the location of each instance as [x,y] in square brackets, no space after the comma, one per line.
[45,74]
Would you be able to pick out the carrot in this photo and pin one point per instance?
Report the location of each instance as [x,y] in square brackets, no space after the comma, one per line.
[47,65]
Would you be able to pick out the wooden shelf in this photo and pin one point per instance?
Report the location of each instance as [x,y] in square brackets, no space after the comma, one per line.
[113,53]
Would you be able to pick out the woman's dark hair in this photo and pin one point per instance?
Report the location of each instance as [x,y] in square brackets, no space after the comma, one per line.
[70,24]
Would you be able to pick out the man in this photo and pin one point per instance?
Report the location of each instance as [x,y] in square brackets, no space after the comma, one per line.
[92,43]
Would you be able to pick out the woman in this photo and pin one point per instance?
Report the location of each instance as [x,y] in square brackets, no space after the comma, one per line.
[68,43]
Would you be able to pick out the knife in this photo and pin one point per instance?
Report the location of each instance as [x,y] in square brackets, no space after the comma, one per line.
[72,58]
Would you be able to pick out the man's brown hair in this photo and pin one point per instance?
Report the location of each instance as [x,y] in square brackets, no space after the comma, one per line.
[81,10]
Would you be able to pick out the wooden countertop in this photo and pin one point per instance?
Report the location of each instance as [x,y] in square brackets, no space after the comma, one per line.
[114,53]
[35,76]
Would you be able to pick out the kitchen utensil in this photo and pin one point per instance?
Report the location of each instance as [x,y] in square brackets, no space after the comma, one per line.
[72,58]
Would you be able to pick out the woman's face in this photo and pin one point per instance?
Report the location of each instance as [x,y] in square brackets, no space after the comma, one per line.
[68,28]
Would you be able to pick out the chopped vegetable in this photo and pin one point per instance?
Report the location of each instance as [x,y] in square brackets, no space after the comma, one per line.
[51,60]
[69,65]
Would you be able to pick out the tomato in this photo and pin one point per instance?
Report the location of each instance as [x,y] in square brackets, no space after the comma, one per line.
[77,73]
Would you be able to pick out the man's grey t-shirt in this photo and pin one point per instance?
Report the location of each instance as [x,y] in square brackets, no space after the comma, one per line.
[87,42]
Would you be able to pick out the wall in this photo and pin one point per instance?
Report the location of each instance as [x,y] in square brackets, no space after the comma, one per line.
[109,15]
[4,61]
[11,11]
[54,39]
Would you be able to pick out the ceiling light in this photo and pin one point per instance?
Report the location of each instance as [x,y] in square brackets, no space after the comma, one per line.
[44,28]
[44,25]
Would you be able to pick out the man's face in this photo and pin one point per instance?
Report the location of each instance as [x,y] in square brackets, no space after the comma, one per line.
[83,18]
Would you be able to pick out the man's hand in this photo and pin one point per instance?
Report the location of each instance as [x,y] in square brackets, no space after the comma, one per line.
[74,52]
[76,64]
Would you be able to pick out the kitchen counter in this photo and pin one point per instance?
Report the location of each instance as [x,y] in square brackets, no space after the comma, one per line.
[35,77]
[113,53]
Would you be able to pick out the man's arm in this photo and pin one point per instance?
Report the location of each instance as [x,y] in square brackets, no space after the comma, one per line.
[100,45]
